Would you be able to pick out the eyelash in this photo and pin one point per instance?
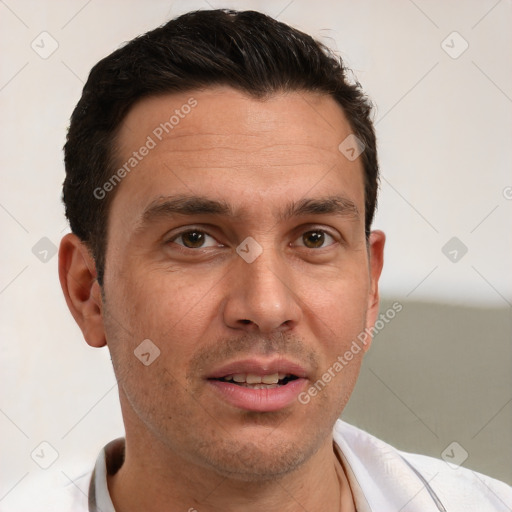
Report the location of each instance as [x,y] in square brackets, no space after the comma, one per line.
[183,247]
[178,235]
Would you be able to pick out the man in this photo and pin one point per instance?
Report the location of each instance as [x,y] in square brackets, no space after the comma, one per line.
[221,181]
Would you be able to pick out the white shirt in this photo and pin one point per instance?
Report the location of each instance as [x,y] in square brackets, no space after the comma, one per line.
[382,479]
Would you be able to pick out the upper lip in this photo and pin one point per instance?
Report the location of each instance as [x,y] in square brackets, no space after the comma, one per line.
[259,367]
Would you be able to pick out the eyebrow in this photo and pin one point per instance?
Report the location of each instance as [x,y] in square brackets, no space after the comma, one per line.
[331,205]
[185,205]
[196,205]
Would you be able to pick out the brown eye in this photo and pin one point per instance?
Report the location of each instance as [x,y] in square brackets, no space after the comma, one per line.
[313,239]
[195,239]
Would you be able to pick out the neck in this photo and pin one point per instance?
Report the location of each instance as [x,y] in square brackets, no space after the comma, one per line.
[152,478]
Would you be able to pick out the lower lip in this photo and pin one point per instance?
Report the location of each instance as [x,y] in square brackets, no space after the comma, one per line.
[260,400]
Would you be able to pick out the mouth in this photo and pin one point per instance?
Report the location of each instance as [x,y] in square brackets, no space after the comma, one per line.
[254,381]
[255,385]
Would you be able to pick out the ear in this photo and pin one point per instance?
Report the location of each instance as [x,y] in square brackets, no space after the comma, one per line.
[376,260]
[77,274]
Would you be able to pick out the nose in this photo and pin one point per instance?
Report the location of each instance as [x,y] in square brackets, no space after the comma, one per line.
[261,297]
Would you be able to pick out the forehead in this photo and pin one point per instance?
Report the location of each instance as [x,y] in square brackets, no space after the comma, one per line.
[223,144]
[222,110]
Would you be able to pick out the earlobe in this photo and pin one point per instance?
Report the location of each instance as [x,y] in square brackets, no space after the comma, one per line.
[77,274]
[376,262]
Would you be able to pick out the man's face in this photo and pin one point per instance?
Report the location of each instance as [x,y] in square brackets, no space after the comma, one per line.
[222,307]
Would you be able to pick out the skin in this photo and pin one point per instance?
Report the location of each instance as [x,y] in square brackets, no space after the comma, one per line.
[305,298]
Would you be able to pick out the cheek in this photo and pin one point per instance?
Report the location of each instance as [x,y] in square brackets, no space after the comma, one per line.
[339,305]
[160,302]
[173,310]
[337,316]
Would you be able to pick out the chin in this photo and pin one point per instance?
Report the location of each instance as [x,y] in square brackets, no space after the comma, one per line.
[252,464]
[261,456]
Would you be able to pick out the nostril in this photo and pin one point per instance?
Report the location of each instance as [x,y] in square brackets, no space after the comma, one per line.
[245,322]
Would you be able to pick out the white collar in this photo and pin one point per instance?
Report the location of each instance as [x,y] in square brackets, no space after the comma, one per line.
[379,476]
[111,457]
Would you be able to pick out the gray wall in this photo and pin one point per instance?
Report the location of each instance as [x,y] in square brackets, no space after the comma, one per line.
[437,374]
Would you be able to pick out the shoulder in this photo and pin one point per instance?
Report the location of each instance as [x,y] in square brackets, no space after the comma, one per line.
[462,487]
[457,488]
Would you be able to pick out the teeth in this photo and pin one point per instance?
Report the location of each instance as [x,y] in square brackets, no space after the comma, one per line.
[270,379]
[253,379]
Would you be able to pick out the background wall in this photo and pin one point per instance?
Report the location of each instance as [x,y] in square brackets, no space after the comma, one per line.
[439,372]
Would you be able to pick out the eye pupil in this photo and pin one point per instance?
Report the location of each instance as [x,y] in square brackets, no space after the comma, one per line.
[193,239]
[313,239]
